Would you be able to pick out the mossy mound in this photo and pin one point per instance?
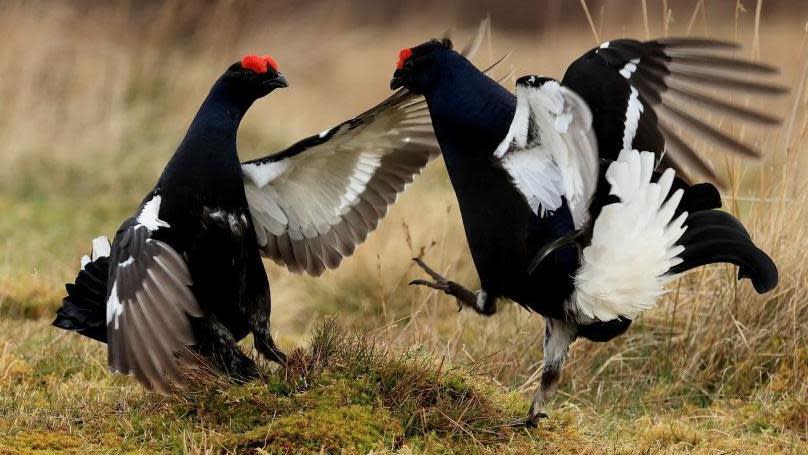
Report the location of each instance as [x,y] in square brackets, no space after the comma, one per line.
[347,394]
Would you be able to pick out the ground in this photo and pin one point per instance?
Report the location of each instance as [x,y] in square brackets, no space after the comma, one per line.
[341,393]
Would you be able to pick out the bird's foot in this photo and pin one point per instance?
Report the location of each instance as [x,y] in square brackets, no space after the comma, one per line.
[246,373]
[531,421]
[267,348]
[239,367]
[464,296]
[274,355]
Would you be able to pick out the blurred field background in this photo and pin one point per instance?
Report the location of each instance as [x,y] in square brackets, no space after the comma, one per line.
[95,97]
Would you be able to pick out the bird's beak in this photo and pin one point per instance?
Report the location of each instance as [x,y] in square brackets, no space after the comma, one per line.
[396,81]
[278,82]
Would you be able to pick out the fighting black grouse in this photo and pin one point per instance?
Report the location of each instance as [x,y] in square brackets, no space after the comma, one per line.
[185,271]
[567,190]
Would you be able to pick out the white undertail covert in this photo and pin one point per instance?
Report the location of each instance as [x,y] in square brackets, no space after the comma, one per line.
[634,242]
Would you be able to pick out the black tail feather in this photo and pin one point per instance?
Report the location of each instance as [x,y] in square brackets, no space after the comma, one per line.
[84,308]
[702,196]
[713,236]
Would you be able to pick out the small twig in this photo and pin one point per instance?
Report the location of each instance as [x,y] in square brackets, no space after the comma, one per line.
[591,23]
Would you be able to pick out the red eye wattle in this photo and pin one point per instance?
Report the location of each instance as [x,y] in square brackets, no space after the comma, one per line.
[255,63]
[402,57]
[259,65]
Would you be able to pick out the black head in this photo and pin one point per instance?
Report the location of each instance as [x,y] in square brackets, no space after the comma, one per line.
[254,76]
[418,68]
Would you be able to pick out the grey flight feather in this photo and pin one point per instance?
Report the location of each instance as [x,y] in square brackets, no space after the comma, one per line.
[148,310]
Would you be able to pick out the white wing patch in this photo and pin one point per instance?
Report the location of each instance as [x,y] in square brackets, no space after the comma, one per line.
[114,307]
[634,110]
[629,68]
[261,174]
[314,202]
[550,150]
[625,268]
[149,310]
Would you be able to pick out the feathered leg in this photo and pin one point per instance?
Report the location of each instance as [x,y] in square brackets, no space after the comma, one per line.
[257,311]
[557,339]
[259,326]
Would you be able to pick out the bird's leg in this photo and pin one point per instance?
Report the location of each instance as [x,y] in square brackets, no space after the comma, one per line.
[218,345]
[557,339]
[478,301]
[259,326]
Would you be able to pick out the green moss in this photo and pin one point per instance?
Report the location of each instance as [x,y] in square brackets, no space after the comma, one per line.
[236,408]
[353,428]
[26,442]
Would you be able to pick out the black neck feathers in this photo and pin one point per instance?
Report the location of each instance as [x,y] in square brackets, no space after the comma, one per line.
[208,152]
[468,106]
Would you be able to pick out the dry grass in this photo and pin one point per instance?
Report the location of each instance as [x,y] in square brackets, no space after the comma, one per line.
[94,101]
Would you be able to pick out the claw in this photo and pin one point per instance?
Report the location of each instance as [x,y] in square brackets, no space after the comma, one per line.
[522,423]
[528,422]
[435,275]
[434,285]
[463,295]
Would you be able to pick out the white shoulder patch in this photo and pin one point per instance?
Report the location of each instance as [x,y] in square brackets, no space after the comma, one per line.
[517,133]
[261,174]
[561,161]
[237,224]
[150,215]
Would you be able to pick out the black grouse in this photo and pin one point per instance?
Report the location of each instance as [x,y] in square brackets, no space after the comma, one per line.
[567,190]
[186,270]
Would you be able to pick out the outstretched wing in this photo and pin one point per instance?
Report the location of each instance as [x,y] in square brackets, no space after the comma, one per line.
[314,202]
[643,96]
[149,304]
[550,150]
